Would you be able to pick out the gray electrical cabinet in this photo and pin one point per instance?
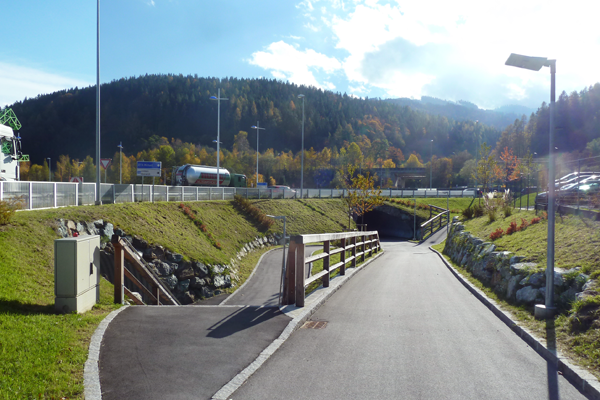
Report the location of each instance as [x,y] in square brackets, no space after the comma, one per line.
[76,278]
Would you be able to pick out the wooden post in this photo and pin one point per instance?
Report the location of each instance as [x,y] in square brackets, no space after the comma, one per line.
[119,268]
[157,294]
[364,249]
[289,293]
[354,251]
[326,264]
[300,275]
[343,258]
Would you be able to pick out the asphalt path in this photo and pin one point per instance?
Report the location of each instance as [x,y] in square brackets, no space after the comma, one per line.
[405,329]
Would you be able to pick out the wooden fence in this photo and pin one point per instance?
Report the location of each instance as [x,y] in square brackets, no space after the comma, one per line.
[158,294]
[360,244]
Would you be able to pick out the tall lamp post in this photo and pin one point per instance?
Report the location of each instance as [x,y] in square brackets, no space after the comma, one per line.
[218,99]
[431,167]
[548,309]
[301,96]
[258,128]
[98,195]
[49,169]
[120,146]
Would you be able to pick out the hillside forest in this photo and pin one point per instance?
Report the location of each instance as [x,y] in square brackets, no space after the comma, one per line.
[171,118]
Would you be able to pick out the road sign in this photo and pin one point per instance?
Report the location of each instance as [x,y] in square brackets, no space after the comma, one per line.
[262,185]
[148,168]
[105,162]
[77,179]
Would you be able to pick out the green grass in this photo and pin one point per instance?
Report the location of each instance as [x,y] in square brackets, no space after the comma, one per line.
[456,205]
[42,354]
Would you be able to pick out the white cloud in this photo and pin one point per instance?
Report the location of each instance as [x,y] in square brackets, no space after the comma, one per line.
[311,27]
[286,62]
[18,82]
[328,85]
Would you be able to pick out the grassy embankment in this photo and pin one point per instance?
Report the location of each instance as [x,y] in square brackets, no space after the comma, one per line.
[43,353]
[577,241]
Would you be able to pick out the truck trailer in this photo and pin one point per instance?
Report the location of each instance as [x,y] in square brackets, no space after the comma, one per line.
[9,149]
[204,175]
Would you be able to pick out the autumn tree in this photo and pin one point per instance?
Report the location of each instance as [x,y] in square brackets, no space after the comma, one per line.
[486,167]
[363,196]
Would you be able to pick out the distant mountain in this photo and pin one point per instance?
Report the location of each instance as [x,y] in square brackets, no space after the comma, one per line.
[466,111]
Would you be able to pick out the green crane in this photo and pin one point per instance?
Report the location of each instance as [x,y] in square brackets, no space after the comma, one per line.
[8,117]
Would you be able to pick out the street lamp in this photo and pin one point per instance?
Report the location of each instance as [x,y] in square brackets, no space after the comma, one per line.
[301,96]
[431,166]
[120,146]
[476,153]
[258,128]
[49,169]
[218,99]
[98,194]
[535,64]
[281,285]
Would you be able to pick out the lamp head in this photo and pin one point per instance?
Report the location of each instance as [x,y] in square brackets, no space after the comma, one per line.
[300,96]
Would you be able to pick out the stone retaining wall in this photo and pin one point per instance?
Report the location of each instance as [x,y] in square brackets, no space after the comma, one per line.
[189,281]
[509,275]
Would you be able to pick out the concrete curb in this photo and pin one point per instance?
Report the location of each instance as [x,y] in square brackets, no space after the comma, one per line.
[585,382]
[299,315]
[91,373]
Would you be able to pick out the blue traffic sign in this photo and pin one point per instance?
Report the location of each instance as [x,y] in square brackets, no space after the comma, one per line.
[148,168]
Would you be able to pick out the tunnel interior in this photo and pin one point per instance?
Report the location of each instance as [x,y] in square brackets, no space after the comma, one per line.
[391,222]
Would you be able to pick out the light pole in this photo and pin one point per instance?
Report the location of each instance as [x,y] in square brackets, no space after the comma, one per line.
[301,96]
[476,153]
[218,99]
[258,128]
[120,146]
[535,64]
[431,166]
[98,198]
[49,169]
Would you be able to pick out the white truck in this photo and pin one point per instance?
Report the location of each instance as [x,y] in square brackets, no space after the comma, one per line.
[9,149]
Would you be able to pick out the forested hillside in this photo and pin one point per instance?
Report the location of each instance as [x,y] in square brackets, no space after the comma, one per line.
[171,118]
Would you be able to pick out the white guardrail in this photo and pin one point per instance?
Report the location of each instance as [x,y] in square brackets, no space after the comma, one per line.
[38,195]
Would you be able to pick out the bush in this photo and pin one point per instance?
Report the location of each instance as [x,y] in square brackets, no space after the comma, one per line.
[468,213]
[8,208]
[507,209]
[523,225]
[477,211]
[247,207]
[512,228]
[497,234]
[491,213]
[535,220]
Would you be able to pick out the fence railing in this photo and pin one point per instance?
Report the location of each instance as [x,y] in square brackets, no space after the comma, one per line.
[149,286]
[61,194]
[360,244]
[434,223]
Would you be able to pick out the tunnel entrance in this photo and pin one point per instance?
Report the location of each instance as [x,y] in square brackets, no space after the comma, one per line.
[391,222]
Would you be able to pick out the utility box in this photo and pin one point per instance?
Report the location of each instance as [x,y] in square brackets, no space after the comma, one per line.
[76,278]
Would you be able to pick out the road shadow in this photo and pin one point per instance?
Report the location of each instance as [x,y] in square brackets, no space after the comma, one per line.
[241,319]
[552,366]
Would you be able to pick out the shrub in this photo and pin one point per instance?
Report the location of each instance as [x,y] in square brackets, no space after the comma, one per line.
[8,208]
[544,215]
[512,228]
[507,209]
[477,211]
[497,234]
[535,220]
[523,225]
[247,207]
[491,213]
[468,213]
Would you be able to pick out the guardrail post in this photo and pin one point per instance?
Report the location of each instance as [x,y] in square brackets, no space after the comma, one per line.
[289,296]
[343,258]
[326,263]
[132,193]
[364,249]
[114,194]
[300,275]
[31,195]
[54,190]
[157,295]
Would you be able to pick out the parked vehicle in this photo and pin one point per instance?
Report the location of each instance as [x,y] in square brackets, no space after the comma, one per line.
[282,191]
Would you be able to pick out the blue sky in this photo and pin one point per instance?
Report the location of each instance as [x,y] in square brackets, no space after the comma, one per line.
[454,50]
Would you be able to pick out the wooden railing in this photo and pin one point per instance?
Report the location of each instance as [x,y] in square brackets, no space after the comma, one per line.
[158,294]
[360,244]
[433,224]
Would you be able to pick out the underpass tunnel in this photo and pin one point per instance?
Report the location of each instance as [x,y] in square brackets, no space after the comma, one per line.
[391,222]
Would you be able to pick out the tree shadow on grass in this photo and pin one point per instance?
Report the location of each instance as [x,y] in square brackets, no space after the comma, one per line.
[16,307]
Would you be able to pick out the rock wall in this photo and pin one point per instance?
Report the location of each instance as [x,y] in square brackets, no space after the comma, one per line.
[509,275]
[189,281]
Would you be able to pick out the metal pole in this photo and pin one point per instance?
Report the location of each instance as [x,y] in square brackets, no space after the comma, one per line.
[302,155]
[257,134]
[578,180]
[282,265]
[98,201]
[120,163]
[415,219]
[49,170]
[218,134]
[551,217]
[431,166]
